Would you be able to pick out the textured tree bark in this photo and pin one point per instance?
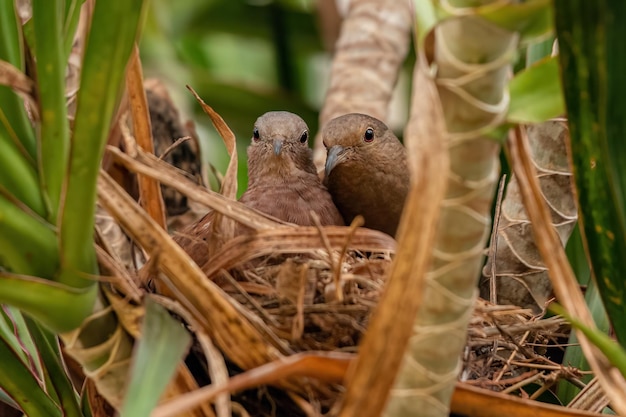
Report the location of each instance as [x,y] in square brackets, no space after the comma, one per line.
[372,46]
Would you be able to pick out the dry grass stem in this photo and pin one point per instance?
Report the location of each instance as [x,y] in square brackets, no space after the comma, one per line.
[474,402]
[147,164]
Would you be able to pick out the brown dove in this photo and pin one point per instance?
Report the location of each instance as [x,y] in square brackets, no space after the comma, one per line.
[366,171]
[282,182]
[282,179]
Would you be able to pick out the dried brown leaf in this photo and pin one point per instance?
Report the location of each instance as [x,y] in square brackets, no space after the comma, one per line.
[149,189]
[475,402]
[325,366]
[166,174]
[223,228]
[16,80]
[383,347]
[560,271]
[210,306]
[292,240]
[520,275]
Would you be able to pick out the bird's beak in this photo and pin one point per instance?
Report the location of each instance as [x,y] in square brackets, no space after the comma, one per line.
[278,146]
[334,158]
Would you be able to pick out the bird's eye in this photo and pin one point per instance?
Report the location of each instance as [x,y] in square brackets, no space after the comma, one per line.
[369,135]
[304,137]
[256,135]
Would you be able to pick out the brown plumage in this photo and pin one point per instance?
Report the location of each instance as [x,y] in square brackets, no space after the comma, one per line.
[366,171]
[282,180]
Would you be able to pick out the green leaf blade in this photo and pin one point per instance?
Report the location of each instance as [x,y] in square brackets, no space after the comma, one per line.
[13,330]
[14,118]
[18,177]
[532,18]
[22,386]
[536,94]
[608,346]
[72,15]
[113,32]
[164,340]
[27,245]
[54,139]
[56,379]
[593,61]
[59,308]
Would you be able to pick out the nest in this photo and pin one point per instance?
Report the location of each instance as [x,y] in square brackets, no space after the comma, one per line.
[509,347]
[283,289]
[301,301]
[304,305]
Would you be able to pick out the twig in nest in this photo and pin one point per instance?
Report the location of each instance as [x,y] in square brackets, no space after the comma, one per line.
[174,145]
[493,246]
[232,281]
[522,383]
[297,326]
[336,266]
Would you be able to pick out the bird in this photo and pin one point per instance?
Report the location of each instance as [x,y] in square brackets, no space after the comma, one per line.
[366,171]
[282,178]
[282,182]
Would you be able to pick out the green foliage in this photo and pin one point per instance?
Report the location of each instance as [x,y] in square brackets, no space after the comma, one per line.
[611,349]
[107,52]
[532,19]
[54,127]
[27,244]
[163,341]
[48,173]
[14,123]
[59,307]
[536,93]
[72,15]
[56,381]
[19,376]
[46,237]
[593,61]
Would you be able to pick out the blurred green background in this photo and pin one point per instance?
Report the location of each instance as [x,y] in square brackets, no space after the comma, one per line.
[245,58]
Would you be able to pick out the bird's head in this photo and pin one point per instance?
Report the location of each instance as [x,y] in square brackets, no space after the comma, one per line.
[280,144]
[353,137]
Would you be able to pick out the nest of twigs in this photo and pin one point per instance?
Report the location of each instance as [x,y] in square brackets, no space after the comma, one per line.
[509,347]
[283,289]
[302,301]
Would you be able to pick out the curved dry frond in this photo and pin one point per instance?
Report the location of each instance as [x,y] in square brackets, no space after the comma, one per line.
[150,196]
[565,285]
[472,60]
[103,348]
[385,343]
[520,276]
